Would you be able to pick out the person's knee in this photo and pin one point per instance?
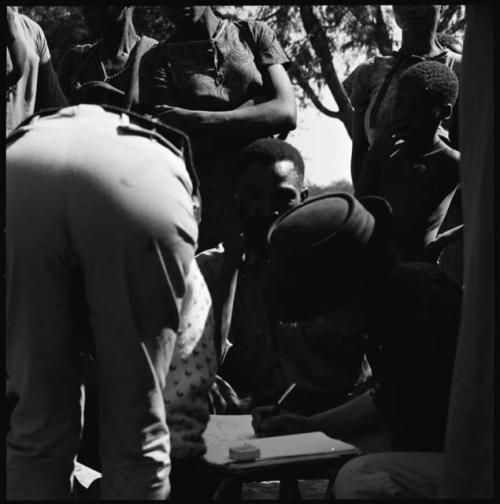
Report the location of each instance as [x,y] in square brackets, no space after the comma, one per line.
[353,478]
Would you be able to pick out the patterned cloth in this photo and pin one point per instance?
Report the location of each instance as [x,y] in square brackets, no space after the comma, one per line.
[192,370]
[217,74]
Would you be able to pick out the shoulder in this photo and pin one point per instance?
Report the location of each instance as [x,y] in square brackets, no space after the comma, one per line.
[210,261]
[454,61]
[258,30]
[31,26]
[155,53]
[77,53]
[363,77]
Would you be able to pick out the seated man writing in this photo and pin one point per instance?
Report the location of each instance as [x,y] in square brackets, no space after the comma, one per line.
[332,250]
[262,354]
[415,170]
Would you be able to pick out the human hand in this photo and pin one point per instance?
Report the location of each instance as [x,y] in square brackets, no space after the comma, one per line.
[266,422]
[226,400]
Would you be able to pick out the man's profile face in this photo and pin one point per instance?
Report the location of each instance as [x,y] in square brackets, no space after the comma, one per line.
[265,192]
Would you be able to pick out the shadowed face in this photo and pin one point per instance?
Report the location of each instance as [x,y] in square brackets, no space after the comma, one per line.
[415,115]
[416,17]
[184,15]
[99,17]
[265,192]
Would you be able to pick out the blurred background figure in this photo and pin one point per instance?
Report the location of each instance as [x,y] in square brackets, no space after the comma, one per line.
[225,84]
[32,83]
[106,71]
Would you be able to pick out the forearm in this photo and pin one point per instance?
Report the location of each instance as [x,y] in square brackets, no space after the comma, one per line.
[353,416]
[268,118]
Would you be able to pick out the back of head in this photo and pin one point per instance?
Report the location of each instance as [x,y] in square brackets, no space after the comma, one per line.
[436,81]
[267,151]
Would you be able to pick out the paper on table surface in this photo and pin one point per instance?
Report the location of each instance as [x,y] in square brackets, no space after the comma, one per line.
[222,428]
[295,445]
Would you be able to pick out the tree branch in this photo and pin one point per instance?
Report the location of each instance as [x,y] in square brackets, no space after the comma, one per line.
[302,82]
[269,16]
[321,46]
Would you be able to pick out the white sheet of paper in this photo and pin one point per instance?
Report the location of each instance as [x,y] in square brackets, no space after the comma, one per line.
[295,445]
[222,428]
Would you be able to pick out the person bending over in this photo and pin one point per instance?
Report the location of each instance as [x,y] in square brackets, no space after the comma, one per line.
[225,84]
[416,171]
[332,250]
[262,355]
[100,237]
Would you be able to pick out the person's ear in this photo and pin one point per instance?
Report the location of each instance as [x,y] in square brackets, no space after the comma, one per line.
[445,111]
[304,194]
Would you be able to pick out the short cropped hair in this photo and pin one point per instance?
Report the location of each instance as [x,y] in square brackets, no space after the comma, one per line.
[271,150]
[435,80]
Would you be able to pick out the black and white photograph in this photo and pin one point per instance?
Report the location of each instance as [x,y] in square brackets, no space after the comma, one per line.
[249,252]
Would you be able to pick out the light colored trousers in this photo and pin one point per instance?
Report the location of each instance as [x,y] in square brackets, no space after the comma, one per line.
[100,236]
[390,475]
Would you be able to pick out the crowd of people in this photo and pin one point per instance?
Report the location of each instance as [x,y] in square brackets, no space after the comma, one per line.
[165,263]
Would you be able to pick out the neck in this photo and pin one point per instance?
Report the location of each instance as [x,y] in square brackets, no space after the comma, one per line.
[420,44]
[119,38]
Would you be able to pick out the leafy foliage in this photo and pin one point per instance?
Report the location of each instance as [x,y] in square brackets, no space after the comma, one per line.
[325,42]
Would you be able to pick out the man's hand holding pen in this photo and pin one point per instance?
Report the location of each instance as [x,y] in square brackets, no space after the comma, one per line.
[274,421]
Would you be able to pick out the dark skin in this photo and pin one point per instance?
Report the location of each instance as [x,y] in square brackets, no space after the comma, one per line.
[15,48]
[419,26]
[114,26]
[395,171]
[265,191]
[272,113]
[344,421]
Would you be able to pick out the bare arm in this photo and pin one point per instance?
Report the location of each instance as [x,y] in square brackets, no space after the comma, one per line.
[356,415]
[276,114]
[359,145]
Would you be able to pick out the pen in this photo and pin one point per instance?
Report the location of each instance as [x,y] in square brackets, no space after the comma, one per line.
[277,405]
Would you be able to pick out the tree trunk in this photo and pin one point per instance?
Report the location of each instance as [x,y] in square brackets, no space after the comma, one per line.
[321,46]
[381,33]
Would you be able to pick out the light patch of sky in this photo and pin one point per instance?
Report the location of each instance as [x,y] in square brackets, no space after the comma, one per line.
[322,140]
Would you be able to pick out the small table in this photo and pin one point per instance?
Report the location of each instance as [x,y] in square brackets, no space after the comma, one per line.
[287,470]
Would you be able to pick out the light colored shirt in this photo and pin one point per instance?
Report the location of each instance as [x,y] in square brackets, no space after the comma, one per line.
[38,87]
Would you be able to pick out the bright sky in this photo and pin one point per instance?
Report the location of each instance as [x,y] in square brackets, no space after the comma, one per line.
[324,144]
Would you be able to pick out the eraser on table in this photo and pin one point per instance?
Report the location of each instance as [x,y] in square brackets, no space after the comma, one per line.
[244,452]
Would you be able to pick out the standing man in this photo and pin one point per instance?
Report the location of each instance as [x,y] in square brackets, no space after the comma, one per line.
[100,235]
[36,86]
